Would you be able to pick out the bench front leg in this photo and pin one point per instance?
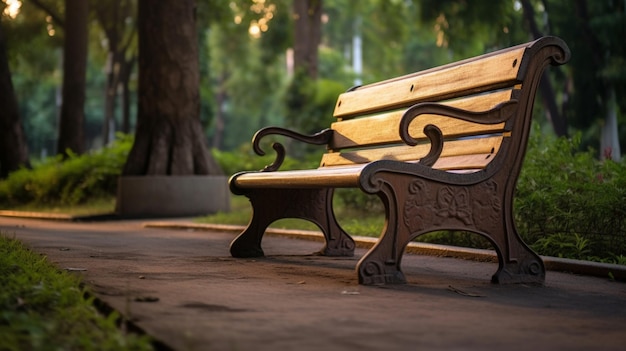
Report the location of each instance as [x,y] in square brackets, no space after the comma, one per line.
[269,205]
[416,205]
[381,264]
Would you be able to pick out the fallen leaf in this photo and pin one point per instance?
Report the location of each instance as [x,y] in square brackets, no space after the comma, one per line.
[461,292]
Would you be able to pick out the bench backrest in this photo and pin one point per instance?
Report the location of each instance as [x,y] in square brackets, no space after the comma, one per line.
[367,118]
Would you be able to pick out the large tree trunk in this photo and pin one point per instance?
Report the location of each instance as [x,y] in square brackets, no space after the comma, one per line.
[13,147]
[71,124]
[307,35]
[169,138]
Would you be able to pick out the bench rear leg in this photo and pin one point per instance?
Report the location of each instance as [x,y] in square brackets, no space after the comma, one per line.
[269,205]
[517,262]
[492,213]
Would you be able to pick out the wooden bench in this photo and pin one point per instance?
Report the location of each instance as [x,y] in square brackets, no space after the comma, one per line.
[442,148]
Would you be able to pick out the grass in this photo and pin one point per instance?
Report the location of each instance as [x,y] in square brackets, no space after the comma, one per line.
[353,221]
[42,308]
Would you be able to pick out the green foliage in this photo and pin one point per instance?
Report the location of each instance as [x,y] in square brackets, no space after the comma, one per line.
[470,28]
[244,159]
[463,239]
[569,203]
[42,308]
[563,245]
[310,104]
[78,179]
[594,31]
[356,199]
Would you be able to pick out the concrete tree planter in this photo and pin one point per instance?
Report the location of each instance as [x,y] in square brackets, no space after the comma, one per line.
[172,196]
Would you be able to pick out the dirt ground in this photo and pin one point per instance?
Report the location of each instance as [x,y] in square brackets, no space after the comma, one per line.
[183,288]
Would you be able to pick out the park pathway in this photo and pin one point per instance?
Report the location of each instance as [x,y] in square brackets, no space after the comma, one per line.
[183,288]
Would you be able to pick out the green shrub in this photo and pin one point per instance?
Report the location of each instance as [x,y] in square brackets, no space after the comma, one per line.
[464,239]
[570,204]
[75,180]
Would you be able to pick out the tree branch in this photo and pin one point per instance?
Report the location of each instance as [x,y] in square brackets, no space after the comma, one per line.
[47,9]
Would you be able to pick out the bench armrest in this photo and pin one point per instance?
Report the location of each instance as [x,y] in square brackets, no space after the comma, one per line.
[321,138]
[500,113]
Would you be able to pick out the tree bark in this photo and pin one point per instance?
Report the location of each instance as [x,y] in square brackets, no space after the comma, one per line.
[126,73]
[559,121]
[307,35]
[609,138]
[110,95]
[112,16]
[13,147]
[220,114]
[169,138]
[71,124]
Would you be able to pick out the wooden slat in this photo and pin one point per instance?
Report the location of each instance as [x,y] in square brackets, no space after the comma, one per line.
[322,177]
[465,162]
[480,74]
[487,145]
[347,176]
[383,128]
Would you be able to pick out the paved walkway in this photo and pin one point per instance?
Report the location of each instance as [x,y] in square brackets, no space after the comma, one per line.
[183,288]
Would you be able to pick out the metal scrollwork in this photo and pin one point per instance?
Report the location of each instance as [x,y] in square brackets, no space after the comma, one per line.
[321,138]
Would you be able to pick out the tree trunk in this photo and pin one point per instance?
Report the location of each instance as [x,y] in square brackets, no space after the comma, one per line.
[110,95]
[307,35]
[71,124]
[169,138]
[13,147]
[559,121]
[220,114]
[126,73]
[609,139]
[112,16]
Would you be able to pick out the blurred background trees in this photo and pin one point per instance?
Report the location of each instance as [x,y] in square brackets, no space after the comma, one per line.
[250,53]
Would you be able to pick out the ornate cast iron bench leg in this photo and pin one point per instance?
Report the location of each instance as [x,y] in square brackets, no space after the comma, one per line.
[517,262]
[269,205]
[416,206]
[381,264]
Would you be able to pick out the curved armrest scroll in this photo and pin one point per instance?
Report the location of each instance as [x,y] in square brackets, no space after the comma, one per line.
[321,138]
[500,113]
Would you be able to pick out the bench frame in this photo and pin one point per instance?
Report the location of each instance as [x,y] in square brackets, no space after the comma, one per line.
[417,197]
